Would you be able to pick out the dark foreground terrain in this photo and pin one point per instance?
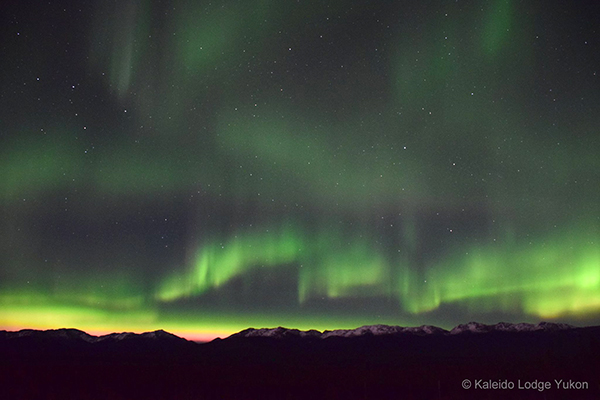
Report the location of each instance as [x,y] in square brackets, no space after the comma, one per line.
[545,361]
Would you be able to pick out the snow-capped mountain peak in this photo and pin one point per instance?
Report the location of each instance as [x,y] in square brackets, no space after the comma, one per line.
[390,330]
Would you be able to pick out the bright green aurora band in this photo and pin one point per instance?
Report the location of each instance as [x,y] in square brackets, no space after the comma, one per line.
[202,168]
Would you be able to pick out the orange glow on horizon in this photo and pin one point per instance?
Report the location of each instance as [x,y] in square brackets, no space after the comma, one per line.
[195,336]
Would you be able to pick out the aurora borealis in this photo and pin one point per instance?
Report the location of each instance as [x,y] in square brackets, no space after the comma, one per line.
[202,167]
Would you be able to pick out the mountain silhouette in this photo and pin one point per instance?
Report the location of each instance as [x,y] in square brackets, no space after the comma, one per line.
[369,362]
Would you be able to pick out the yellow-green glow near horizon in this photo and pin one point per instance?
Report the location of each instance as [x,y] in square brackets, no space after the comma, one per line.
[554,277]
[205,167]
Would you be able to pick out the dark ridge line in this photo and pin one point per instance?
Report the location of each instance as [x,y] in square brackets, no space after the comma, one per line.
[282,332]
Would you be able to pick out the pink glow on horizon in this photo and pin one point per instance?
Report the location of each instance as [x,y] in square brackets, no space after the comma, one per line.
[195,336]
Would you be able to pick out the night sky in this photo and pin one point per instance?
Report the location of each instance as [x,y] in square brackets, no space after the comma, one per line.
[202,167]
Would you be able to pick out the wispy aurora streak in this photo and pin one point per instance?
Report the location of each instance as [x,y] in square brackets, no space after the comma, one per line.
[205,167]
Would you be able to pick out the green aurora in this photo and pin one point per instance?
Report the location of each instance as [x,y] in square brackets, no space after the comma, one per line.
[203,168]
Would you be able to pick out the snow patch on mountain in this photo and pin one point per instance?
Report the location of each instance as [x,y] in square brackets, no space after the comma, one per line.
[476,327]
[387,330]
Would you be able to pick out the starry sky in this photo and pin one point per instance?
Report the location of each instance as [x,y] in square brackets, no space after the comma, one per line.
[206,166]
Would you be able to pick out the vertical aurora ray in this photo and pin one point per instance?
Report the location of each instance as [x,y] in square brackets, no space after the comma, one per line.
[547,277]
[121,40]
[497,26]
[216,263]
[329,264]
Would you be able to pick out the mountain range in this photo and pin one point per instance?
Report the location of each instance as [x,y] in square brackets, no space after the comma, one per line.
[380,330]
[375,361]
[281,332]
